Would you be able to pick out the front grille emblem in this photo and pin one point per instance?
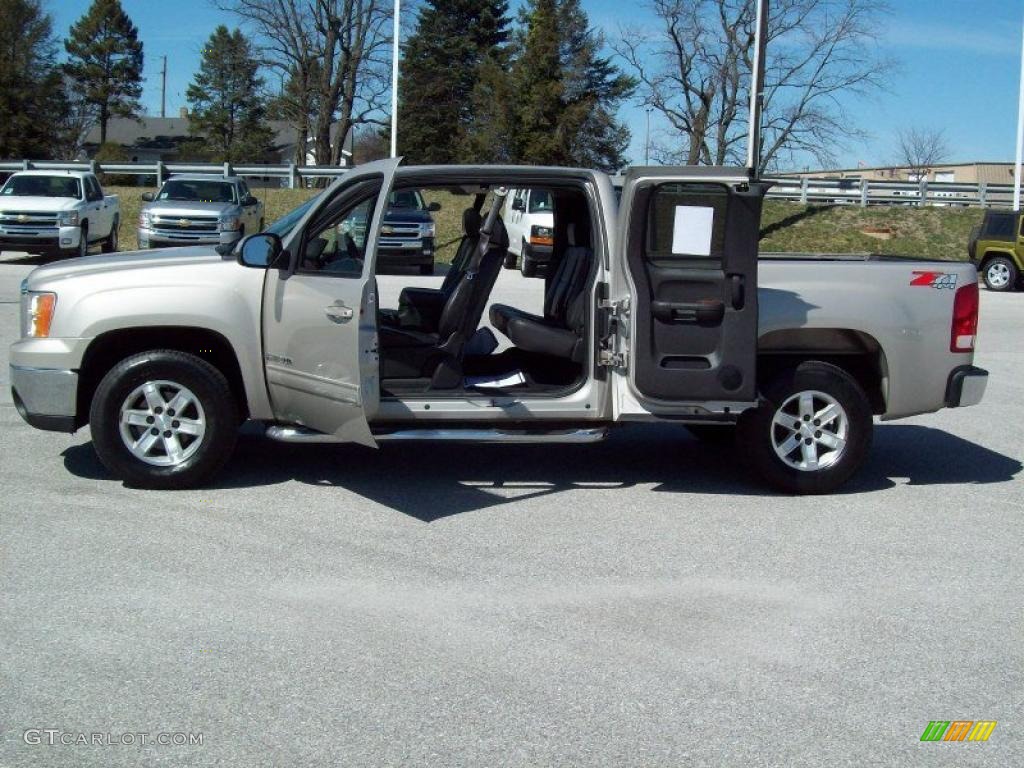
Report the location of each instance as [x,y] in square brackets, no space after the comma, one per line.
[184,223]
[22,218]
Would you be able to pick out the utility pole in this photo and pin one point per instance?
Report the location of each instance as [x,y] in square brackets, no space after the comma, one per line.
[394,80]
[757,88]
[163,89]
[647,139]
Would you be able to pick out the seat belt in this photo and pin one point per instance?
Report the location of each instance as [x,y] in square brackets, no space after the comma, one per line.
[483,243]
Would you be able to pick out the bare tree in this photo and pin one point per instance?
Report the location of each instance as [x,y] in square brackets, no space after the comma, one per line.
[336,57]
[696,71]
[921,149]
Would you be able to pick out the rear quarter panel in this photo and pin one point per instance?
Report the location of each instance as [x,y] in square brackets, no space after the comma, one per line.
[906,306]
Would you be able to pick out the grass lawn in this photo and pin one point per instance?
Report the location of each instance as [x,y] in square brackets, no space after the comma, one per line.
[936,233]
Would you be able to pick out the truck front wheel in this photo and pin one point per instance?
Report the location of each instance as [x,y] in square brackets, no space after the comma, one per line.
[812,433]
[164,419]
[1000,274]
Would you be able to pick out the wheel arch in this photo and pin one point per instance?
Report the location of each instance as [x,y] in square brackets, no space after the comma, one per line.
[857,353]
[109,348]
[991,253]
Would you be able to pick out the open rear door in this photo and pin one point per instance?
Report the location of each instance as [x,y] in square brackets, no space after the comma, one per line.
[320,316]
[684,292]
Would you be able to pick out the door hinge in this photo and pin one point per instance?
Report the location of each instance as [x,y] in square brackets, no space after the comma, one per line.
[611,359]
[617,306]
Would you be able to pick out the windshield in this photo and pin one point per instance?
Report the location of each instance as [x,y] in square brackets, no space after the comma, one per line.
[540,201]
[408,199]
[42,186]
[283,226]
[198,191]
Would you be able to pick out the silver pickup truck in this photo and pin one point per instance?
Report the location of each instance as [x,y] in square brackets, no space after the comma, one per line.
[199,209]
[657,307]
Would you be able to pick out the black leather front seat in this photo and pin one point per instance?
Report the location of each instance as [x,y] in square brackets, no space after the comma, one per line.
[561,332]
[408,353]
[420,308]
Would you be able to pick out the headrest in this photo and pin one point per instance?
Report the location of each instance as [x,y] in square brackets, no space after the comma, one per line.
[471,222]
[570,234]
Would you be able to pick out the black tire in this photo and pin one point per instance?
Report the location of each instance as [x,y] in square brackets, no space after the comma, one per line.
[759,434]
[527,265]
[213,393]
[996,270]
[83,244]
[110,244]
[713,434]
[427,269]
[262,225]
[511,261]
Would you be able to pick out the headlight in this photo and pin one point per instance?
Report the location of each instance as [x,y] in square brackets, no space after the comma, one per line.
[230,224]
[68,218]
[146,220]
[38,316]
[427,230]
[542,235]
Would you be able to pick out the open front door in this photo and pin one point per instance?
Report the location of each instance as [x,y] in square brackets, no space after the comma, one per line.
[686,292]
[320,316]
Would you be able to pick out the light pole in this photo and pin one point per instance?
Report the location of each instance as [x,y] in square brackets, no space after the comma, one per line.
[394,80]
[1020,135]
[647,139]
[757,88]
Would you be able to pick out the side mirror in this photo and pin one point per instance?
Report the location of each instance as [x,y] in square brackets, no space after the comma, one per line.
[149,197]
[518,204]
[260,251]
[434,207]
[249,200]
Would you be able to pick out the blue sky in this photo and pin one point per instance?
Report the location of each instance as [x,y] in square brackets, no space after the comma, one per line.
[959,68]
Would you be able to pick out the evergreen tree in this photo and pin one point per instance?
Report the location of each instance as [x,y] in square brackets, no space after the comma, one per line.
[105,61]
[228,113]
[32,99]
[441,66]
[569,92]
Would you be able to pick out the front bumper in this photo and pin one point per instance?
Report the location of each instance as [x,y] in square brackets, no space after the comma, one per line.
[413,251]
[155,238]
[39,239]
[45,397]
[541,254]
[966,386]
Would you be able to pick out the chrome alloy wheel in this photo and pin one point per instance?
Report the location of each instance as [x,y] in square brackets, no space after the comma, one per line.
[809,431]
[998,274]
[162,423]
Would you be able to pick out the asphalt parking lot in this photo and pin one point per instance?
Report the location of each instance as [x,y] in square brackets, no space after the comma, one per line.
[638,602]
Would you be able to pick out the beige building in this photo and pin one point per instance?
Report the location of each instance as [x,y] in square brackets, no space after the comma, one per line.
[958,173]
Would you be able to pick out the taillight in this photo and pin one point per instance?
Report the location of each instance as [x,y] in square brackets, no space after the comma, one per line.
[965,319]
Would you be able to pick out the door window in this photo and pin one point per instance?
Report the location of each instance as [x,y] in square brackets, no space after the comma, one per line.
[339,247]
[687,222]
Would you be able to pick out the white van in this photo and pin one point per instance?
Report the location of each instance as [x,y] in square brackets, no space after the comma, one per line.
[529,216]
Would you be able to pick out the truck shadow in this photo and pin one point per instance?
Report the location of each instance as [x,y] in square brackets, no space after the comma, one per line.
[430,482]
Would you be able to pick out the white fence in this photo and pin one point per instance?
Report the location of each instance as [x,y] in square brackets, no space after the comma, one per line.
[807,191]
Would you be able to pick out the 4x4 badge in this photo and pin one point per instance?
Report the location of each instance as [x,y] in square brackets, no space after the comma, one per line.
[937,280]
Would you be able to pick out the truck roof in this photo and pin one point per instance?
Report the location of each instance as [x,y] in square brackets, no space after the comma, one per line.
[204,177]
[38,172]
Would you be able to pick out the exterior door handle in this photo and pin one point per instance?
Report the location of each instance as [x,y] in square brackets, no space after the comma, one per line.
[339,313]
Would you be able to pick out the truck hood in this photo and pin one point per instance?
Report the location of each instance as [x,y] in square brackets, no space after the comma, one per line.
[37,204]
[407,216]
[128,265]
[173,208]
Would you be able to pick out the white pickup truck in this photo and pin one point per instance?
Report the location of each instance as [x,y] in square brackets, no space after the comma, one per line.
[57,212]
[655,308]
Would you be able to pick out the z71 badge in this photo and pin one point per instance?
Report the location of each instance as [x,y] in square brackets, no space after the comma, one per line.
[937,280]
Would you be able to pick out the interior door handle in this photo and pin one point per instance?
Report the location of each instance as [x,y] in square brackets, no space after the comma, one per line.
[339,313]
[704,313]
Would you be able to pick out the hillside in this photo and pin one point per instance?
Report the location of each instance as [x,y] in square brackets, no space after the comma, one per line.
[940,233]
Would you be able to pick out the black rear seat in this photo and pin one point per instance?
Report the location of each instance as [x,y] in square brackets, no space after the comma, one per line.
[562,330]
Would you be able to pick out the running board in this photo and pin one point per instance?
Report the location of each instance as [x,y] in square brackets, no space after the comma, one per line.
[589,435]
[577,436]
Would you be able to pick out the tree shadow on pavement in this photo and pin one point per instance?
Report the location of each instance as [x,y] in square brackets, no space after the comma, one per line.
[430,481]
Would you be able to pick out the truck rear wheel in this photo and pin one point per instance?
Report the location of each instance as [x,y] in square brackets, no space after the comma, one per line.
[110,244]
[1000,274]
[164,419]
[814,431]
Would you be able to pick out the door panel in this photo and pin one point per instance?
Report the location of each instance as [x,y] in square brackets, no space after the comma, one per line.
[320,322]
[691,256]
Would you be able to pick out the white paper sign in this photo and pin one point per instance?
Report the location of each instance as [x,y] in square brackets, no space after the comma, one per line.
[691,233]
